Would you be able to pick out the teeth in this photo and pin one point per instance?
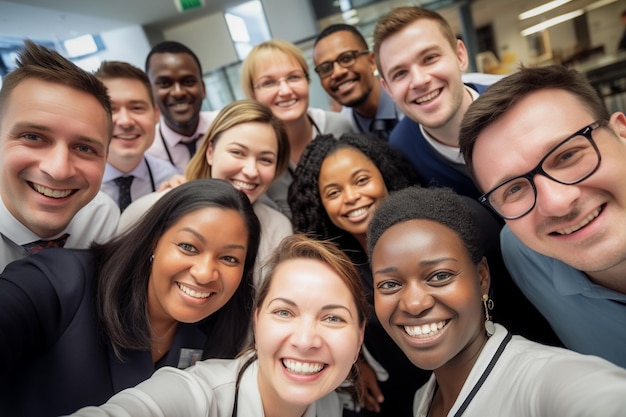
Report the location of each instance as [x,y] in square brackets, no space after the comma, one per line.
[126,137]
[49,192]
[305,368]
[193,293]
[287,103]
[424,330]
[244,185]
[427,97]
[345,85]
[357,212]
[580,225]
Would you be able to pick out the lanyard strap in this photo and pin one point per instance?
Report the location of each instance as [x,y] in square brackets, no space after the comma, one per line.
[484,376]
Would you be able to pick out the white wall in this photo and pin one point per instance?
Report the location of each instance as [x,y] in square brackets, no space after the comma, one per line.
[127,44]
[605,26]
[292,20]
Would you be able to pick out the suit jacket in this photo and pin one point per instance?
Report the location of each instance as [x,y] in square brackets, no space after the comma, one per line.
[55,356]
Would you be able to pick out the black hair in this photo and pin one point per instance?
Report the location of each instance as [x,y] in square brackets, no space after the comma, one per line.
[441,205]
[305,202]
[124,269]
[341,27]
[171,47]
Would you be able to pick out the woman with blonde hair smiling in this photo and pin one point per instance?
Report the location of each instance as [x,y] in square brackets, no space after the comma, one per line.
[246,146]
[309,319]
[276,74]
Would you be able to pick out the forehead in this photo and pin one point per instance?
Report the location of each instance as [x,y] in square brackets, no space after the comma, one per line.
[167,62]
[419,34]
[125,89]
[250,134]
[272,62]
[346,160]
[337,43]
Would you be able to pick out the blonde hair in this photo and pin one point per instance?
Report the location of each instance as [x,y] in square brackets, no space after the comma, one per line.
[236,113]
[262,51]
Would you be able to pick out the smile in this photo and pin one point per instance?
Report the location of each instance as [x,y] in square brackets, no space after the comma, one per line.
[244,185]
[428,97]
[127,136]
[287,103]
[583,223]
[49,192]
[344,86]
[303,368]
[425,330]
[192,293]
[357,212]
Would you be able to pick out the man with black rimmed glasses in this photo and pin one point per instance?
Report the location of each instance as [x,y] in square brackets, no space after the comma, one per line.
[348,73]
[552,163]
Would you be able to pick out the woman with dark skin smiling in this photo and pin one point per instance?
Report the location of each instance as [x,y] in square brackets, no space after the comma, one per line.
[432,296]
[77,326]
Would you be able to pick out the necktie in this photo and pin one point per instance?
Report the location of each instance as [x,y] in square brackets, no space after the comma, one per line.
[192,145]
[38,245]
[123,184]
[382,128]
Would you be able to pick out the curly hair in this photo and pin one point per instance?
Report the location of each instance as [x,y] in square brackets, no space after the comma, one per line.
[308,213]
[441,205]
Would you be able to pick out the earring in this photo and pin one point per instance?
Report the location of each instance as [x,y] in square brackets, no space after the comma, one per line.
[151,258]
[490,328]
[375,73]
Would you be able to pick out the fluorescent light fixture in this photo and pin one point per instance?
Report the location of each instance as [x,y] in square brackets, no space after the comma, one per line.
[82,45]
[552,22]
[542,9]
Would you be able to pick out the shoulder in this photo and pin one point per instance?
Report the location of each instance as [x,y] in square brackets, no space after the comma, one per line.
[137,209]
[96,221]
[331,122]
[161,167]
[269,216]
[406,130]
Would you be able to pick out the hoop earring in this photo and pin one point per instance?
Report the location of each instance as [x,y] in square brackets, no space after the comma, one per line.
[490,328]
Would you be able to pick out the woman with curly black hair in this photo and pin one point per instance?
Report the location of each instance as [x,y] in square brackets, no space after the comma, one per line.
[337,185]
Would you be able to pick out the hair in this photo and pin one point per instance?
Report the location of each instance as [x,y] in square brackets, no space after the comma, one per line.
[172,47]
[498,99]
[124,270]
[299,246]
[342,27]
[440,205]
[308,213]
[401,17]
[234,114]
[36,61]
[118,69]
[264,50]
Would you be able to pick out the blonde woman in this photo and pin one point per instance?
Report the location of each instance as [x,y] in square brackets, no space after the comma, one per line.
[246,146]
[276,74]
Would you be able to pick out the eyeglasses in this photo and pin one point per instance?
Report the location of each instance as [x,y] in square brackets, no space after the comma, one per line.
[346,59]
[570,162]
[270,85]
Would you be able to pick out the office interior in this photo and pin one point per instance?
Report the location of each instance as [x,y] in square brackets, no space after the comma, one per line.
[499,36]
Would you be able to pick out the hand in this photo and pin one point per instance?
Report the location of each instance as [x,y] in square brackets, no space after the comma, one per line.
[173,182]
[373,394]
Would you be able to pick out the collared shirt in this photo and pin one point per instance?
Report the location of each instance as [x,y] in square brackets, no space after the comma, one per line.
[149,174]
[386,110]
[587,317]
[168,146]
[97,221]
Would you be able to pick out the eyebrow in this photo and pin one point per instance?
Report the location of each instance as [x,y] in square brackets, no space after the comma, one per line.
[247,148]
[325,307]
[354,174]
[424,263]
[203,240]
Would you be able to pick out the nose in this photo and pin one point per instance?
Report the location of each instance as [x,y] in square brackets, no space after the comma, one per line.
[249,168]
[306,335]
[351,194]
[122,118]
[284,87]
[555,199]
[204,270]
[178,89]
[57,163]
[338,70]
[415,299]
[419,76]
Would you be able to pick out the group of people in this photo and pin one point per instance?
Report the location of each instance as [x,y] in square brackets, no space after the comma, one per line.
[275,259]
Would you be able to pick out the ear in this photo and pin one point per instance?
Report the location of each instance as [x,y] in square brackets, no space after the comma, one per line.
[483,275]
[203,90]
[385,86]
[617,122]
[461,55]
[361,338]
[209,153]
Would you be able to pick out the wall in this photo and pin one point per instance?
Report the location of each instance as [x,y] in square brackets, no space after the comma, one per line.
[127,44]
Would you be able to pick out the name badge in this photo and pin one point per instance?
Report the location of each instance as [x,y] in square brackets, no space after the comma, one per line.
[188,357]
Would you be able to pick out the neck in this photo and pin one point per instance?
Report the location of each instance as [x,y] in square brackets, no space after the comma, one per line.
[299,135]
[162,336]
[125,165]
[370,106]
[273,404]
[448,134]
[184,129]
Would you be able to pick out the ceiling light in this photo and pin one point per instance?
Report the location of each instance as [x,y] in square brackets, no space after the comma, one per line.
[542,9]
[552,22]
